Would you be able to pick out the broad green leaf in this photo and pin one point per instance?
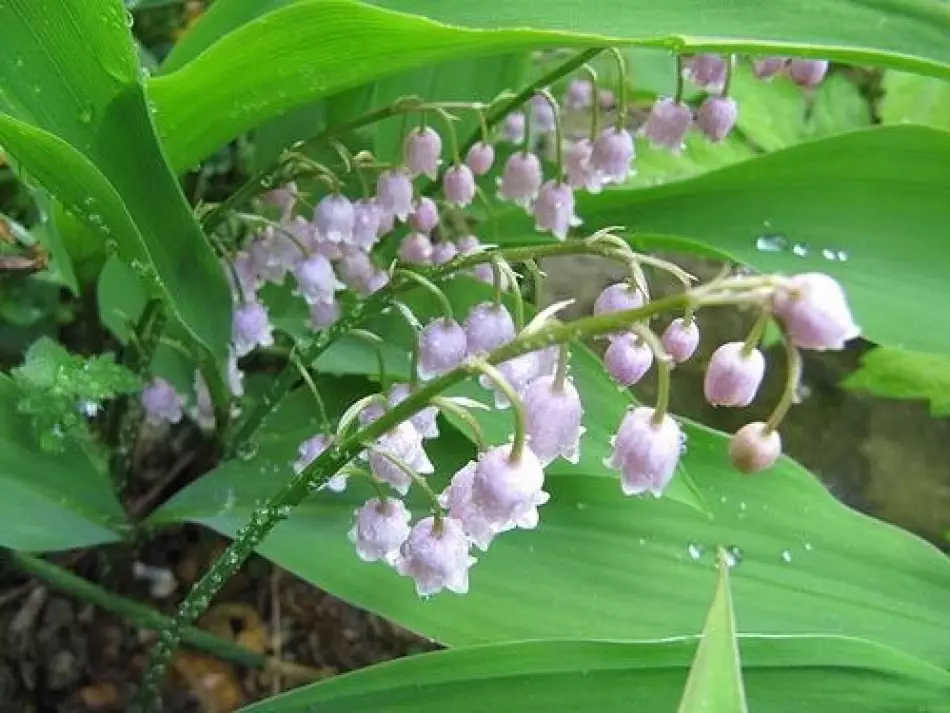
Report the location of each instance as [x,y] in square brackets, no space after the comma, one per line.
[320,48]
[784,675]
[912,99]
[601,565]
[864,207]
[900,374]
[51,501]
[715,684]
[75,116]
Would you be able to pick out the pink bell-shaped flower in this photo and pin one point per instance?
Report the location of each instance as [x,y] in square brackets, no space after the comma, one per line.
[416,249]
[513,127]
[309,451]
[403,442]
[628,359]
[521,179]
[707,71]
[716,117]
[425,420]
[733,376]
[754,447]
[667,124]
[519,372]
[380,530]
[458,186]
[251,328]
[807,72]
[554,209]
[480,158]
[161,403]
[612,154]
[579,95]
[366,217]
[425,215]
[436,556]
[394,193]
[814,312]
[442,347]
[356,267]
[553,416]
[316,281]
[487,327]
[509,492]
[444,251]
[457,499]
[646,453]
[768,67]
[542,115]
[421,151]
[333,219]
[578,169]
[680,339]
[323,314]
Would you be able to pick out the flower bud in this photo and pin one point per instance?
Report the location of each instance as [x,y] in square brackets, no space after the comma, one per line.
[814,312]
[425,215]
[421,151]
[283,198]
[733,377]
[553,419]
[628,359]
[512,128]
[366,217]
[416,249]
[754,448]
[480,158]
[161,403]
[577,166]
[333,219]
[272,255]
[554,209]
[394,193]
[457,499]
[425,420]
[611,156]
[667,124]
[716,117]
[606,99]
[508,492]
[807,72]
[251,327]
[646,453]
[542,115]
[316,281]
[458,186]
[681,339]
[768,67]
[323,314]
[707,71]
[442,347]
[579,95]
[521,179]
[487,327]
[436,556]
[403,442]
[619,297]
[444,251]
[380,529]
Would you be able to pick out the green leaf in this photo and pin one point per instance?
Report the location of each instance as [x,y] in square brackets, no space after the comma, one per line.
[900,374]
[51,501]
[784,675]
[912,99]
[715,678]
[601,565]
[312,52]
[77,120]
[863,207]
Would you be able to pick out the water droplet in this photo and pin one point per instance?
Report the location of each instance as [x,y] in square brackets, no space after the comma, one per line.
[772,243]
[842,256]
[581,506]
[829,254]
[643,540]
[786,555]
[800,249]
[733,556]
[86,114]
[247,450]
[19,62]
[808,547]
[695,551]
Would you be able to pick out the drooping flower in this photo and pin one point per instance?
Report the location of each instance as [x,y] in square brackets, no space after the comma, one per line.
[436,556]
[323,314]
[508,491]
[754,447]
[579,95]
[619,297]
[542,115]
[814,312]
[487,327]
[667,124]
[333,219]
[457,499]
[458,186]
[646,453]
[416,249]
[807,72]
[403,443]
[316,281]
[251,328]
[425,215]
[422,150]
[553,418]
[284,199]
[480,158]
[628,359]
[444,251]
[442,347]
[578,169]
[309,451]
[554,209]
[356,267]
[366,220]
[161,403]
[716,117]
[394,193]
[521,179]
[377,281]
[680,339]
[734,375]
[707,71]
[512,128]
[612,154]
[519,372]
[425,420]
[768,67]
[273,254]
[380,529]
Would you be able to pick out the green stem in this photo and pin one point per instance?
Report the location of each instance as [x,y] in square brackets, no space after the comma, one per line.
[730,70]
[528,123]
[414,365]
[453,135]
[478,435]
[483,126]
[377,343]
[517,408]
[755,334]
[515,289]
[537,277]
[558,133]
[416,478]
[680,68]
[318,399]
[793,376]
[497,277]
[560,375]
[433,289]
[664,365]
[139,614]
[621,89]
[595,103]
